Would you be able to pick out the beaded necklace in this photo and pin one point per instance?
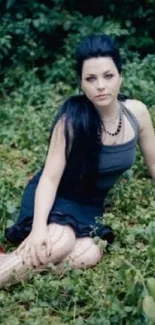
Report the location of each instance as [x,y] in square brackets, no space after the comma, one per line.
[119,127]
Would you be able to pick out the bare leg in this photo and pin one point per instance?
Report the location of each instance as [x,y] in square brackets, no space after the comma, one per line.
[62,240]
[85,254]
[2,256]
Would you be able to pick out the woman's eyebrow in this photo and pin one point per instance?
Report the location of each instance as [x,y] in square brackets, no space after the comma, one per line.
[107,71]
[93,74]
[90,74]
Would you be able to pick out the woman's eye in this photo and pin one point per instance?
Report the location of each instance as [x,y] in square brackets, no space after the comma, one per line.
[109,76]
[90,79]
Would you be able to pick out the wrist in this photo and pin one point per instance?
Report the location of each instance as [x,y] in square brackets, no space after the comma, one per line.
[39,227]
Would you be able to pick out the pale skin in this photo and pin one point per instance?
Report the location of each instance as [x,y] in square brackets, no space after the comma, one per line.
[55,243]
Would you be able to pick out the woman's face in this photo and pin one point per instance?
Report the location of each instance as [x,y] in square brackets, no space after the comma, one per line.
[100,81]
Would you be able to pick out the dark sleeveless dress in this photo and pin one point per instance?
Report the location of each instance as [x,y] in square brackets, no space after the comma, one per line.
[69,208]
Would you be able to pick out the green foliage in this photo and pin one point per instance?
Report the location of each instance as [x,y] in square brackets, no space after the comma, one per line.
[139,78]
[42,35]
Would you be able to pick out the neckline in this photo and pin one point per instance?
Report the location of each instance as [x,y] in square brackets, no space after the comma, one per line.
[124,144]
[119,144]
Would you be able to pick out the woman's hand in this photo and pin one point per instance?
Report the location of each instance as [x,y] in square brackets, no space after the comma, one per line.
[32,248]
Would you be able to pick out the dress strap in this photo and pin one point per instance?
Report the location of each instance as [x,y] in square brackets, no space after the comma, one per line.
[131,118]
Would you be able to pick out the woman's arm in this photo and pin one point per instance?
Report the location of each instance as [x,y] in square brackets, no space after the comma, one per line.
[50,178]
[147,139]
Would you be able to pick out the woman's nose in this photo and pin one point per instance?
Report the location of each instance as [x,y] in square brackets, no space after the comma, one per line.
[100,85]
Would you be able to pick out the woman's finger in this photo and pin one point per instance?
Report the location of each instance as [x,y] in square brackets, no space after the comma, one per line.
[48,247]
[28,260]
[34,258]
[25,253]
[40,255]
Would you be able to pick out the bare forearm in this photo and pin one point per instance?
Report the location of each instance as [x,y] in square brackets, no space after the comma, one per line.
[44,199]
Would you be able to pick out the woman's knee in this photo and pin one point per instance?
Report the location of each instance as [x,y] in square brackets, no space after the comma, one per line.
[84,254]
[93,256]
[62,234]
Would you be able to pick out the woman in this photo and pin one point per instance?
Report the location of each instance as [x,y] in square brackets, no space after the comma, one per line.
[93,141]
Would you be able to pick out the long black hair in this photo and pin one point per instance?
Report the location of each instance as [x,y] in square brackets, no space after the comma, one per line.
[81,116]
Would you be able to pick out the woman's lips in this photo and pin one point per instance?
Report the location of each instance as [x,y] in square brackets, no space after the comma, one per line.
[101,96]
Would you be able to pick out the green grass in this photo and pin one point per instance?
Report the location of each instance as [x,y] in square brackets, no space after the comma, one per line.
[113,291]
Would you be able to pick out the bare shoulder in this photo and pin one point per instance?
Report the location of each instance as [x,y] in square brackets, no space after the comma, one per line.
[138,108]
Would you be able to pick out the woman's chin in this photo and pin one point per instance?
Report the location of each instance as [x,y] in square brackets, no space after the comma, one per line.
[101,102]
